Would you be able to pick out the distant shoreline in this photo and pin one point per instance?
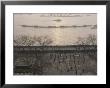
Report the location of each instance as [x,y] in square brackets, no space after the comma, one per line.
[73,26]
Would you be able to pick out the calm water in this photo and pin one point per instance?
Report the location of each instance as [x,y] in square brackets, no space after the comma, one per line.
[60,36]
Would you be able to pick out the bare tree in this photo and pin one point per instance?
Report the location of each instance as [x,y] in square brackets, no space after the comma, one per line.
[90,40]
[43,40]
[81,41]
[24,40]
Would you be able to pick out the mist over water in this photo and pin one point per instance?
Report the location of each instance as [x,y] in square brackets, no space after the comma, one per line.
[60,36]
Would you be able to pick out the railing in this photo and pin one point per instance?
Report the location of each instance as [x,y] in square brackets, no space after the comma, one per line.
[56,48]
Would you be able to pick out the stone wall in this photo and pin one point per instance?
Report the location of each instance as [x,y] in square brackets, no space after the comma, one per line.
[55,60]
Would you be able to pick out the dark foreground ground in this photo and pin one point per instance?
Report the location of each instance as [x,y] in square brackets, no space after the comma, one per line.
[57,60]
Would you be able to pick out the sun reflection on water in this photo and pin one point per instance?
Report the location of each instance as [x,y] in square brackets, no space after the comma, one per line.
[57,34]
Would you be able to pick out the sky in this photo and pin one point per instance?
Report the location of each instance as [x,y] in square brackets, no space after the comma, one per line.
[60,36]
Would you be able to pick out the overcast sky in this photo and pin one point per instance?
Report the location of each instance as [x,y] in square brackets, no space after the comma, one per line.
[60,36]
